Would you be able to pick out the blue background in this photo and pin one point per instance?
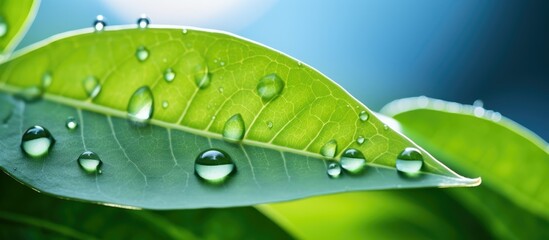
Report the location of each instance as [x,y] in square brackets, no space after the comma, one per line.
[496,51]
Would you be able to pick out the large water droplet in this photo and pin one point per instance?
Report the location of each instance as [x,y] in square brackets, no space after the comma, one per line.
[169,75]
[329,149]
[47,79]
[213,165]
[141,105]
[352,160]
[334,169]
[142,53]
[37,141]
[143,21]
[409,160]
[71,123]
[99,24]
[202,77]
[360,140]
[90,162]
[270,86]
[234,128]
[92,86]
[31,94]
[3,27]
[363,116]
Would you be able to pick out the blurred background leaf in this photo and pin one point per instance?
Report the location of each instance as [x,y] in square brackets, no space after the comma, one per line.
[15,18]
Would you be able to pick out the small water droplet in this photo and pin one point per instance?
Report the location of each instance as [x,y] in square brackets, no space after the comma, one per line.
[202,76]
[37,141]
[71,123]
[92,86]
[90,162]
[479,111]
[3,27]
[270,124]
[299,63]
[184,31]
[270,86]
[165,104]
[363,116]
[234,128]
[409,160]
[99,24]
[47,79]
[213,165]
[478,103]
[222,63]
[31,94]
[143,21]
[334,169]
[329,149]
[385,127]
[169,75]
[142,53]
[360,140]
[220,89]
[141,105]
[496,117]
[352,160]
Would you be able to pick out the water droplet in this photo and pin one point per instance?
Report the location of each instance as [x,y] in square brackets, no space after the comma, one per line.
[352,160]
[334,169]
[202,76]
[220,89]
[47,79]
[479,111]
[270,86]
[90,162]
[299,63]
[270,124]
[329,149]
[92,87]
[409,160]
[234,128]
[141,105]
[496,117]
[360,140]
[169,75]
[385,127]
[363,116]
[31,94]
[222,63]
[3,27]
[143,21]
[71,123]
[184,31]
[165,104]
[478,103]
[37,141]
[213,165]
[99,24]
[142,53]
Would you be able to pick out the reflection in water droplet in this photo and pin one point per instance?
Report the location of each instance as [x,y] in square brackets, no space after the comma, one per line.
[37,141]
[352,160]
[143,21]
[71,123]
[91,86]
[213,165]
[329,149]
[169,75]
[234,128]
[360,140]
[270,86]
[99,24]
[363,116]
[409,160]
[334,169]
[202,76]
[165,104]
[90,162]
[142,53]
[47,79]
[3,27]
[141,105]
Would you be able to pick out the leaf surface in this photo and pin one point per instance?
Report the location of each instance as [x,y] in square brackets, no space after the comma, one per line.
[15,18]
[218,77]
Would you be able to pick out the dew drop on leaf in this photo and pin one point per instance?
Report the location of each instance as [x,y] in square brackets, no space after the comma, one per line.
[352,160]
[360,140]
[143,21]
[71,123]
[409,160]
[37,141]
[91,86]
[142,53]
[364,116]
[165,104]
[3,27]
[270,86]
[329,149]
[213,165]
[270,124]
[99,23]
[140,106]
[47,79]
[184,31]
[31,94]
[169,75]
[90,162]
[202,77]
[334,169]
[234,128]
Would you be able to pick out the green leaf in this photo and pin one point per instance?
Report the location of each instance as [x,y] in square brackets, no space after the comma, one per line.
[15,18]
[218,77]
[512,160]
[26,214]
